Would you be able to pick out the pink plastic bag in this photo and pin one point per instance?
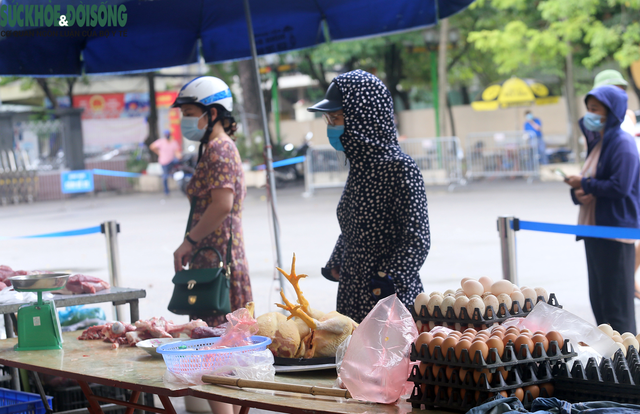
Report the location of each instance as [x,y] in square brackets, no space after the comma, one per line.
[376,365]
[240,328]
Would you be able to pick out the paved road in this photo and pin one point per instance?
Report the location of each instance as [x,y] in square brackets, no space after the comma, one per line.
[463,227]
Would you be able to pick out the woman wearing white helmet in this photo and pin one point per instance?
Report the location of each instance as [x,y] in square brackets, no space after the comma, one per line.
[217,189]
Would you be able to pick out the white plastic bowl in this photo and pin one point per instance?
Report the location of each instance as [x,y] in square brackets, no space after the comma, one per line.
[150,345]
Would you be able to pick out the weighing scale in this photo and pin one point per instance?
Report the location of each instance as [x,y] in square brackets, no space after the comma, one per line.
[38,323]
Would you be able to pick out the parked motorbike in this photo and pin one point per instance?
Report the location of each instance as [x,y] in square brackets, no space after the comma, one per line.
[291,173]
[183,171]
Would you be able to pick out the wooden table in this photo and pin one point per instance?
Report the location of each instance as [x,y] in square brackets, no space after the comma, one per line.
[133,369]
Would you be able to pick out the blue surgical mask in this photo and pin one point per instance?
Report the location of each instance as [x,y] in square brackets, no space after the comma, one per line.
[189,127]
[334,132]
[530,117]
[593,122]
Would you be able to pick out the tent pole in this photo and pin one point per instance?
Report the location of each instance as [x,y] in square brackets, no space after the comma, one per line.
[271,188]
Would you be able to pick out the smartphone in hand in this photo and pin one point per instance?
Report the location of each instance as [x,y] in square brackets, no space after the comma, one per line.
[560,173]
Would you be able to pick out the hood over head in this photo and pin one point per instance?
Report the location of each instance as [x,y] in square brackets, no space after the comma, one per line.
[615,99]
[369,132]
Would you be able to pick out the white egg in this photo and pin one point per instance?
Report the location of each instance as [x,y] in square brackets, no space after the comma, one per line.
[638,338]
[502,286]
[630,341]
[421,299]
[486,283]
[473,304]
[607,329]
[624,348]
[461,302]
[434,301]
[542,292]
[516,288]
[530,293]
[458,294]
[473,287]
[491,300]
[464,280]
[447,302]
[506,299]
[627,334]
[435,293]
[449,292]
[517,296]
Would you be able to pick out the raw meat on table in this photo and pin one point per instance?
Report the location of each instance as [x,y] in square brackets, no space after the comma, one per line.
[86,284]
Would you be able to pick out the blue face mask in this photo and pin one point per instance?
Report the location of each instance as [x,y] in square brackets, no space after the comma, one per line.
[334,132]
[593,122]
[530,117]
[189,127]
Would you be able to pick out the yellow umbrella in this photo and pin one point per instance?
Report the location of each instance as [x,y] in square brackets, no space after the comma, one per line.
[514,92]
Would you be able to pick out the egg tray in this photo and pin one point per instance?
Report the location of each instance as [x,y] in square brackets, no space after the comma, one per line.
[441,399]
[509,356]
[490,317]
[614,379]
[518,377]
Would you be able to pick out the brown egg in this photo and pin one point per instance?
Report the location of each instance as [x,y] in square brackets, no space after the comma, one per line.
[468,337]
[470,330]
[541,338]
[504,394]
[483,335]
[548,387]
[513,329]
[497,334]
[449,371]
[519,393]
[503,372]
[534,390]
[498,328]
[440,335]
[462,344]
[423,369]
[555,336]
[496,343]
[463,374]
[539,332]
[436,370]
[477,374]
[455,334]
[479,346]
[436,341]
[509,337]
[521,340]
[526,333]
[423,338]
[448,343]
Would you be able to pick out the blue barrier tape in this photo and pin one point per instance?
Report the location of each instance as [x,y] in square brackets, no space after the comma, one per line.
[603,232]
[68,233]
[282,163]
[98,171]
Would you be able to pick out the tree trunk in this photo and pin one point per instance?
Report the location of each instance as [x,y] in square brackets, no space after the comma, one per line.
[250,101]
[47,92]
[319,73]
[442,75]
[634,82]
[152,120]
[574,132]
[393,75]
[70,84]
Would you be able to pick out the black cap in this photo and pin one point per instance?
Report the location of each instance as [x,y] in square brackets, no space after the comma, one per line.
[332,100]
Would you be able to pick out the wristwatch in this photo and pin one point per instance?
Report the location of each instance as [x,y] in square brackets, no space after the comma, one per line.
[190,240]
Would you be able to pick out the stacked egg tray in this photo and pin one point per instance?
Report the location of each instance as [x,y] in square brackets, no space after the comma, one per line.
[523,369]
[478,320]
[616,379]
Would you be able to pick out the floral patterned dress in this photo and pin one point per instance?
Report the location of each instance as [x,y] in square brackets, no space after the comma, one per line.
[221,167]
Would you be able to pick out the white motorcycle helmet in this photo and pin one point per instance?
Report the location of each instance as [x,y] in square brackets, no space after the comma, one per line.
[206,91]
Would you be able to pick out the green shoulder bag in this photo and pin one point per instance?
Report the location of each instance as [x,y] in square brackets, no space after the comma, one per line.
[203,291]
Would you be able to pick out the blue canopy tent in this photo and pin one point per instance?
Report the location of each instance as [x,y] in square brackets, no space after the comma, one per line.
[165,33]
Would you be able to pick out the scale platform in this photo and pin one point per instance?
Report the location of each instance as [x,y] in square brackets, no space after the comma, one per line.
[38,323]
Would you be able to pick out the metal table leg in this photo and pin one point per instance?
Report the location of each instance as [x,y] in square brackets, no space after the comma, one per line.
[135,312]
[15,376]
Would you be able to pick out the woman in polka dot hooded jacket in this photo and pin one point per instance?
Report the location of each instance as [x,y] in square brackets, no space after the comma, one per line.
[383,209]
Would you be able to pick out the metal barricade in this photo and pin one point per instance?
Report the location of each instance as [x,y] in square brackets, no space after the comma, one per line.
[18,178]
[502,154]
[439,159]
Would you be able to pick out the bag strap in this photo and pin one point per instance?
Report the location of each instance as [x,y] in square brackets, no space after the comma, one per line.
[229,258]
